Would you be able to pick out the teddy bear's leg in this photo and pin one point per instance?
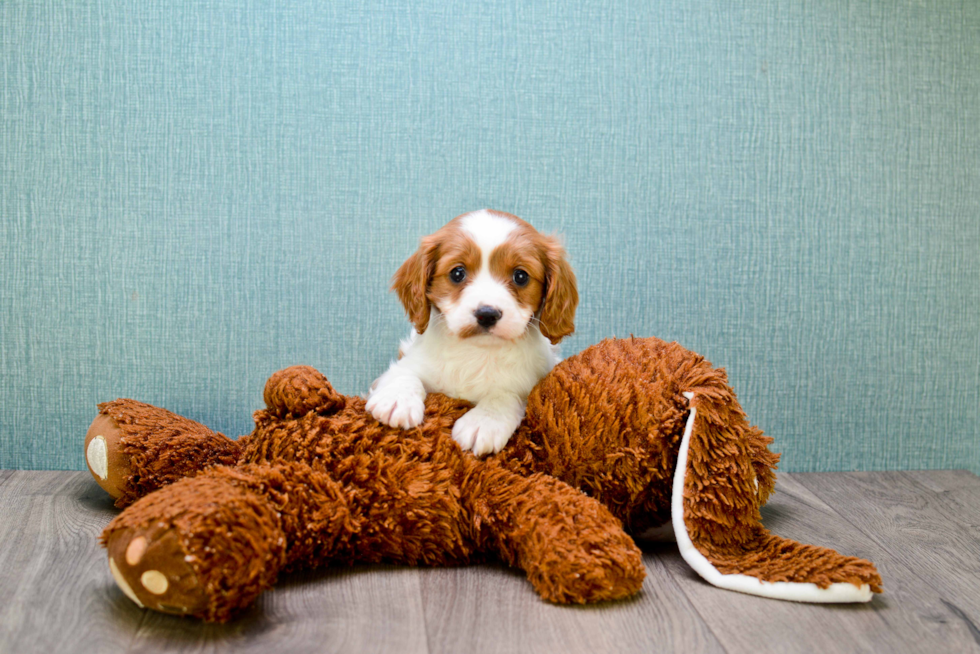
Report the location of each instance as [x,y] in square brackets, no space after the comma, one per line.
[209,545]
[133,448]
[715,514]
[571,547]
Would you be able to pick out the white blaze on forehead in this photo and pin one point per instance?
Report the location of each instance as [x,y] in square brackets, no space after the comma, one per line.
[488,230]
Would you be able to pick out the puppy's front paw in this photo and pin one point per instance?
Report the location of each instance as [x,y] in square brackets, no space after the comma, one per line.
[397,405]
[483,431]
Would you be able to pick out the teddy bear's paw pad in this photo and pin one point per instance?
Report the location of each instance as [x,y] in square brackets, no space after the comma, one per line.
[104,455]
[151,569]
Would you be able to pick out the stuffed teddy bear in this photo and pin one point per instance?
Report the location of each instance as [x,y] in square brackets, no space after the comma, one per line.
[628,434]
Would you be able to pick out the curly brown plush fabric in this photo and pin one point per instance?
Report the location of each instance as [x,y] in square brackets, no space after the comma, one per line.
[152,447]
[319,481]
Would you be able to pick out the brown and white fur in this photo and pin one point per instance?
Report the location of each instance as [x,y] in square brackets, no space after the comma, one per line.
[489,298]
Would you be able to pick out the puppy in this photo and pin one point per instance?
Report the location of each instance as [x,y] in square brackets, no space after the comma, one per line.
[489,298]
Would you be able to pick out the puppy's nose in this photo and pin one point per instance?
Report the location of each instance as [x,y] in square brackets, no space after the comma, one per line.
[486,316]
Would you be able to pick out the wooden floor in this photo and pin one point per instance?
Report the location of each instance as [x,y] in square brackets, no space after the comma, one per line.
[921,528]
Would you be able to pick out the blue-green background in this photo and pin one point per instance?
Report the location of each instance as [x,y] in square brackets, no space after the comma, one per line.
[195,194]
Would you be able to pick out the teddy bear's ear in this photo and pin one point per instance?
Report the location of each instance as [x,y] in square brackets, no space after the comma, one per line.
[557,312]
[411,282]
[298,390]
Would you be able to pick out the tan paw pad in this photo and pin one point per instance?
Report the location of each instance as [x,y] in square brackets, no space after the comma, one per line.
[135,550]
[155,582]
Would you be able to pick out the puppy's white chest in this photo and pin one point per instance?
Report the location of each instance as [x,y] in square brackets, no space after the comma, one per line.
[470,375]
[472,371]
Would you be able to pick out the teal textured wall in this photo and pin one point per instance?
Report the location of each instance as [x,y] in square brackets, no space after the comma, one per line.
[195,194]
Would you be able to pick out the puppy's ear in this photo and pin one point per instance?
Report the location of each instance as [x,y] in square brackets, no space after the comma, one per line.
[411,282]
[557,313]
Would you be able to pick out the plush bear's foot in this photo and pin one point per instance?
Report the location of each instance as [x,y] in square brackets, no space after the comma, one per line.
[571,547]
[205,546]
[133,448]
[151,568]
[582,556]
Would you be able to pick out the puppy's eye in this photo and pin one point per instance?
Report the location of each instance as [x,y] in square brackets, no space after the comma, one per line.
[521,278]
[457,274]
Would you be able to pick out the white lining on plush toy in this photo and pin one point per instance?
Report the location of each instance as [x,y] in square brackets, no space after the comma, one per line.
[841,592]
[121,582]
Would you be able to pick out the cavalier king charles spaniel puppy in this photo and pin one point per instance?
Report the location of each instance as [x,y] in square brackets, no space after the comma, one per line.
[489,298]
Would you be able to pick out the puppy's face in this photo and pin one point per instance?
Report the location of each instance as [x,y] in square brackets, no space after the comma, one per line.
[489,274]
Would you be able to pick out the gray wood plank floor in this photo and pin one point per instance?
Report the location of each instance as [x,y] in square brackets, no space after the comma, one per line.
[921,528]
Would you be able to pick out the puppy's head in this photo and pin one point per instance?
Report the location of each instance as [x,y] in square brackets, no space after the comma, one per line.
[489,274]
